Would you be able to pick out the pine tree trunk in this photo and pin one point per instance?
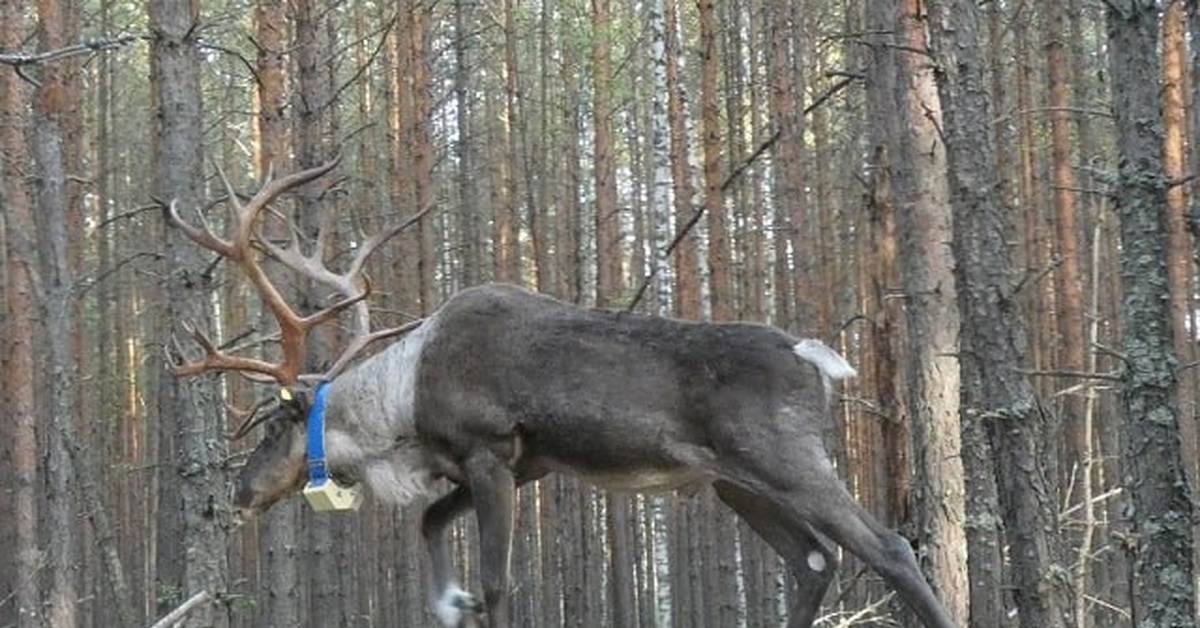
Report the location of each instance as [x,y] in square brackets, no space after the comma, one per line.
[470,235]
[1180,264]
[1068,276]
[685,260]
[1158,507]
[189,410]
[19,360]
[924,225]
[609,246]
[999,401]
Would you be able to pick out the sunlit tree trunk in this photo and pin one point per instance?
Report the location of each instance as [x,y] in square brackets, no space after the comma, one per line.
[998,401]
[1180,265]
[270,23]
[1068,285]
[924,225]
[503,161]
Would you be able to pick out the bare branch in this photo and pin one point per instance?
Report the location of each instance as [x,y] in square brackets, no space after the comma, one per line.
[177,615]
[50,56]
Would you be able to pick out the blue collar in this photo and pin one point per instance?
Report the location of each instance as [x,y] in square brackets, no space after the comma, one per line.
[317,471]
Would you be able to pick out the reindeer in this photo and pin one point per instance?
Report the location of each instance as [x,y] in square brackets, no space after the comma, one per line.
[501,386]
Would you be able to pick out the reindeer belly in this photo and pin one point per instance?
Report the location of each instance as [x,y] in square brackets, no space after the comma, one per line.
[639,456]
[649,480]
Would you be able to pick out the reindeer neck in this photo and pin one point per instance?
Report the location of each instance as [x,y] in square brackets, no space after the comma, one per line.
[374,398]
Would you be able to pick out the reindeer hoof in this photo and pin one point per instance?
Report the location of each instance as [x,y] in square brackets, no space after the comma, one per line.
[454,607]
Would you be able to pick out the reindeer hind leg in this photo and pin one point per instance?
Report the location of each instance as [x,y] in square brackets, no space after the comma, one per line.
[493,488]
[826,504]
[809,558]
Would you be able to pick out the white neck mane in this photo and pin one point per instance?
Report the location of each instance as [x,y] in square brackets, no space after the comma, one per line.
[369,418]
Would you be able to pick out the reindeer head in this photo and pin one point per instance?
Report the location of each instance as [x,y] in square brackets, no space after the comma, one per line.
[276,467]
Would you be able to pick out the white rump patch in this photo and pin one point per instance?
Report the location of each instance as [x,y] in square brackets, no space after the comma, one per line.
[832,365]
[450,606]
[816,561]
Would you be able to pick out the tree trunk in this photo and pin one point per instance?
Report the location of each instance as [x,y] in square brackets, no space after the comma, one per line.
[886,310]
[19,360]
[270,22]
[280,535]
[788,165]
[660,157]
[926,264]
[466,183]
[610,284]
[189,411]
[685,260]
[1069,283]
[54,287]
[1158,506]
[998,401]
[720,286]
[569,223]
[1180,265]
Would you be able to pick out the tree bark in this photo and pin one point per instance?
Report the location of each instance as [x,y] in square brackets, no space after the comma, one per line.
[270,23]
[54,287]
[188,410]
[466,182]
[1180,264]
[20,359]
[685,261]
[924,224]
[1068,278]
[720,286]
[998,401]
[1158,508]
[610,285]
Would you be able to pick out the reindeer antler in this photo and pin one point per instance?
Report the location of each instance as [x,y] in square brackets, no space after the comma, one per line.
[245,248]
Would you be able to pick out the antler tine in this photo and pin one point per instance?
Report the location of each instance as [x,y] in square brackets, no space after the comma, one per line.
[362,341]
[378,240]
[272,188]
[363,336]
[247,419]
[200,235]
[214,359]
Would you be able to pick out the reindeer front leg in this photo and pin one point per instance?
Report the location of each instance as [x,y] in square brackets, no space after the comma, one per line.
[493,487]
[448,600]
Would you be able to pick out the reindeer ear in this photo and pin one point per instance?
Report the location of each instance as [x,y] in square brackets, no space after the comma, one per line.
[294,401]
